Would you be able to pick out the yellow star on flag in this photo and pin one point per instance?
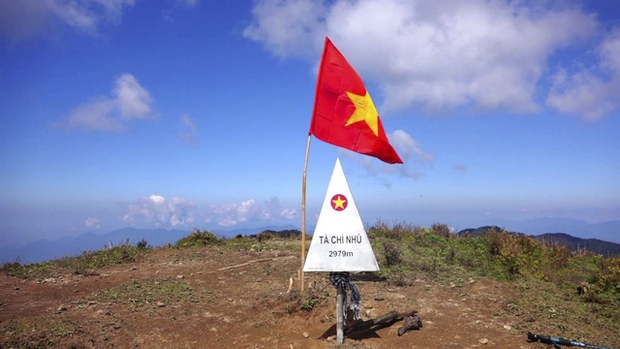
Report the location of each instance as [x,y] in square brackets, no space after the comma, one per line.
[364,111]
[339,203]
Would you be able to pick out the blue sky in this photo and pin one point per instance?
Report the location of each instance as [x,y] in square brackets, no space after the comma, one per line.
[194,114]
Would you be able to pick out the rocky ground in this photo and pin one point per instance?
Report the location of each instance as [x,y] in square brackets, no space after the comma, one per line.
[216,297]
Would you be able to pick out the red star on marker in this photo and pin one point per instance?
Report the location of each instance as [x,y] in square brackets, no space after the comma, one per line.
[339,202]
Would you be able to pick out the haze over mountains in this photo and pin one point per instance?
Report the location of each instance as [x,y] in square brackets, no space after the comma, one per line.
[44,250]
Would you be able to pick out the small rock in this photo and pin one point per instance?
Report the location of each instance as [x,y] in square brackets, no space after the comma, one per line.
[62,308]
[507,327]
[483,341]
[161,304]
[306,334]
[117,326]
[180,276]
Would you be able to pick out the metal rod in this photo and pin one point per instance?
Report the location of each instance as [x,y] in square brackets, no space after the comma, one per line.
[340,315]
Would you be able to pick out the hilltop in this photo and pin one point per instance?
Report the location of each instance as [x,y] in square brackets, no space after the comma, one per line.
[209,292]
[597,246]
[573,243]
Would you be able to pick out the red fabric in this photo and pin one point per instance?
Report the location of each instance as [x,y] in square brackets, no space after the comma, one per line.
[333,108]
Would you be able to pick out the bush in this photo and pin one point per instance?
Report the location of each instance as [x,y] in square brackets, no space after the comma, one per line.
[197,239]
[441,229]
[393,255]
[143,245]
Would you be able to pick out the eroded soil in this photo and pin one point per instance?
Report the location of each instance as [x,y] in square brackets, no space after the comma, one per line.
[227,298]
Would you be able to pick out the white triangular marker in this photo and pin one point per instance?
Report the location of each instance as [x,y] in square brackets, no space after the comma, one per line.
[340,242]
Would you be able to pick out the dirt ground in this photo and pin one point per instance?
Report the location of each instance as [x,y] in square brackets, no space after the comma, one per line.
[224,298]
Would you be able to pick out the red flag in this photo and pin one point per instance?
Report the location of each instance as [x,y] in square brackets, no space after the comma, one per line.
[344,114]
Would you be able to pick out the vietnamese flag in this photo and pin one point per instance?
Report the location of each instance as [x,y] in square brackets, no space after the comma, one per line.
[344,114]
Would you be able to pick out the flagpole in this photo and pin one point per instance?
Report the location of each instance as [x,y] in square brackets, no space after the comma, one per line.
[303,183]
[303,217]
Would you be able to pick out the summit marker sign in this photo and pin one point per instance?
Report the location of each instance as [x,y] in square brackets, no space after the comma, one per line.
[340,242]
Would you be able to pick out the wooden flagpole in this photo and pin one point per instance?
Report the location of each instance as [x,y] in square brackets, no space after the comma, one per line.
[303,217]
[303,183]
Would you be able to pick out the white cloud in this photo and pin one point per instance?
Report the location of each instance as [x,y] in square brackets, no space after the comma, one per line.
[132,100]
[94,115]
[159,211]
[407,149]
[177,7]
[92,222]
[249,211]
[187,3]
[129,101]
[21,20]
[439,56]
[590,92]
[189,130]
[288,27]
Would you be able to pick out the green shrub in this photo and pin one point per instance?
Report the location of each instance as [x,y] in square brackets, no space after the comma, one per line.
[198,239]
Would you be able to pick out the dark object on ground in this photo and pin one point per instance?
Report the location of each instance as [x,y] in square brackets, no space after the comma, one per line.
[531,337]
[412,322]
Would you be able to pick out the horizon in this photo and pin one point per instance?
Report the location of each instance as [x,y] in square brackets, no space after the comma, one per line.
[228,233]
[188,114]
[72,246]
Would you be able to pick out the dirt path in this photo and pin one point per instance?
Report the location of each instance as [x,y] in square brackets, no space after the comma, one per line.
[225,298]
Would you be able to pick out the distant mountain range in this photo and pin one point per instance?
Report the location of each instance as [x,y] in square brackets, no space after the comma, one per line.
[607,231]
[597,246]
[568,232]
[44,250]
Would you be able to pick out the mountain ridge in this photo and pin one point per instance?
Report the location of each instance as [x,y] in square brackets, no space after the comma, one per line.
[45,249]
